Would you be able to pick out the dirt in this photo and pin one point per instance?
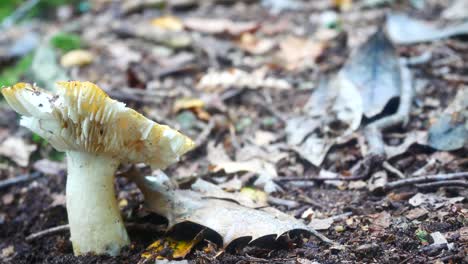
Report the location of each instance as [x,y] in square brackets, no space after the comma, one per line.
[377,228]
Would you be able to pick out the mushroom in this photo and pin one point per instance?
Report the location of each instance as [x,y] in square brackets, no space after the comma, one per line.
[97,134]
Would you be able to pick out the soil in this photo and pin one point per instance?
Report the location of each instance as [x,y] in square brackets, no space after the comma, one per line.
[377,228]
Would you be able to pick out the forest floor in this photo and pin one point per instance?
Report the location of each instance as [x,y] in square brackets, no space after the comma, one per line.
[233,80]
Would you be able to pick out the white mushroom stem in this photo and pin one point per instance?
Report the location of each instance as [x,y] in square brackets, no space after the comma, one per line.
[94,216]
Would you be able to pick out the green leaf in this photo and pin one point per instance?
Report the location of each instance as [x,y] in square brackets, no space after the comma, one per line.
[422,235]
[66,41]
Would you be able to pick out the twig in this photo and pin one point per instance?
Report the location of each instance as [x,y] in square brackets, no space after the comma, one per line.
[437,184]
[386,165]
[203,136]
[46,232]
[278,201]
[19,179]
[64,228]
[425,179]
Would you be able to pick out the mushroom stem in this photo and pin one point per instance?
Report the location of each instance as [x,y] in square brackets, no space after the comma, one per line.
[94,216]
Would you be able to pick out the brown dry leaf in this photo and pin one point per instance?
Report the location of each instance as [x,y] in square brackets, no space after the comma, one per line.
[229,219]
[236,78]
[220,26]
[380,221]
[76,58]
[299,52]
[254,45]
[177,248]
[171,23]
[187,103]
[416,213]
[17,150]
[7,252]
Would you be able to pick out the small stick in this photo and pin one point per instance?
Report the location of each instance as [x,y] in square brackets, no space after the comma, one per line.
[19,179]
[437,184]
[386,165]
[424,179]
[46,232]
[203,136]
[284,202]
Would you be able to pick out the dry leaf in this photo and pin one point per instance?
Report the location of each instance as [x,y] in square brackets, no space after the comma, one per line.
[450,132]
[76,58]
[220,26]
[17,150]
[253,45]
[332,113]
[403,29]
[321,224]
[187,103]
[177,248]
[380,221]
[374,69]
[411,138]
[299,52]
[229,219]
[49,167]
[416,213]
[235,78]
[457,10]
[168,23]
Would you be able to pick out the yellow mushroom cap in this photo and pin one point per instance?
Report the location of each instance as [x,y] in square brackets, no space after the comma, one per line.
[82,117]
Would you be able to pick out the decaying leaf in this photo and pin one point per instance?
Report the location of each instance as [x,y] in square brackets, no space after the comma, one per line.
[299,52]
[432,200]
[321,224]
[380,221]
[457,10]
[229,219]
[76,58]
[49,167]
[412,138]
[169,248]
[254,45]
[220,26]
[450,132]
[168,23]
[333,111]
[17,150]
[403,29]
[375,70]
[235,78]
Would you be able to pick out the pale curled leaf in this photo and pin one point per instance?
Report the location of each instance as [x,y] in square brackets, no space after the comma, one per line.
[450,132]
[375,70]
[333,112]
[17,150]
[403,29]
[230,220]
